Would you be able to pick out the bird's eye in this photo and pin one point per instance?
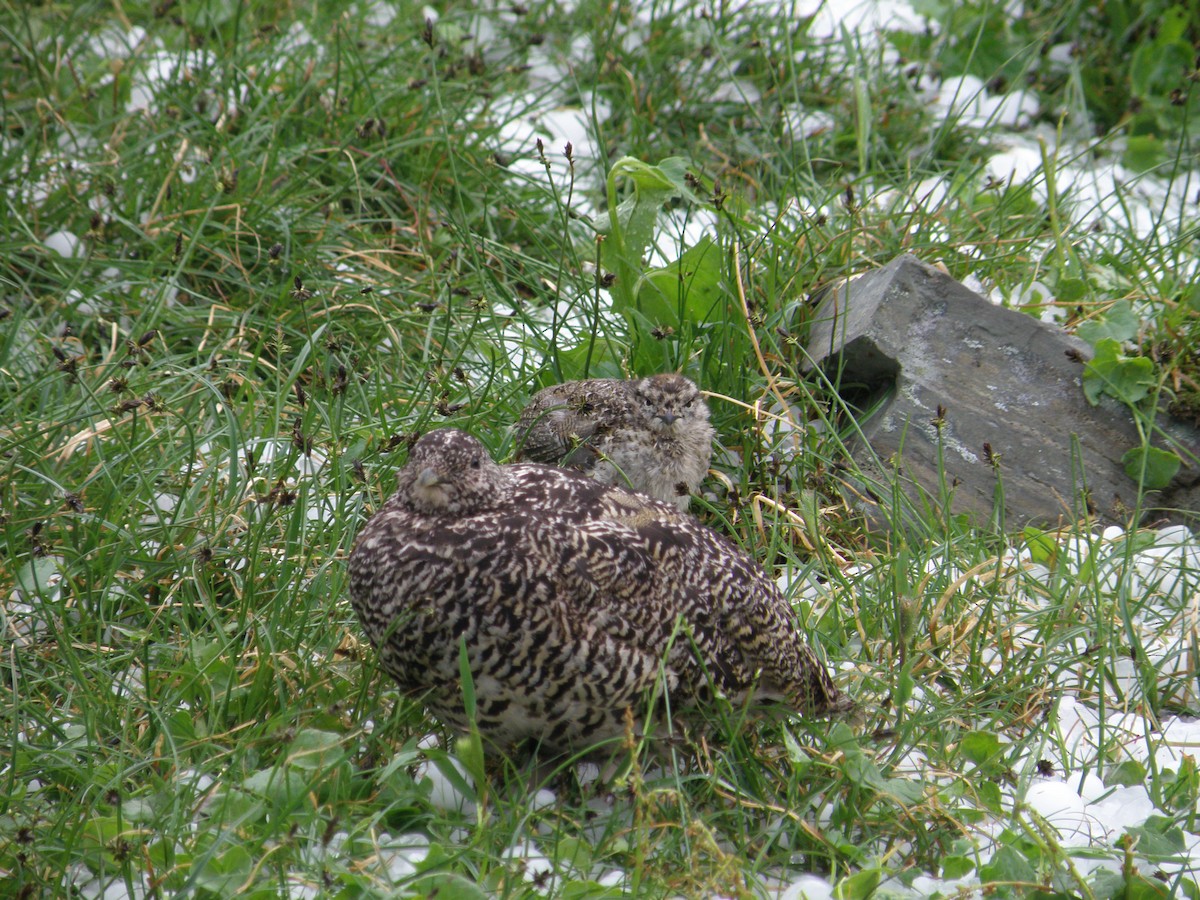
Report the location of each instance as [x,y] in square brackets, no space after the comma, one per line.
[476,463]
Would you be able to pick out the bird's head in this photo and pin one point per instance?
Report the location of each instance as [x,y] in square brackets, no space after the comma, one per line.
[670,401]
[449,473]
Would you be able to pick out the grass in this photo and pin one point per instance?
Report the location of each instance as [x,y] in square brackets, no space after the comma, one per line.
[308,242]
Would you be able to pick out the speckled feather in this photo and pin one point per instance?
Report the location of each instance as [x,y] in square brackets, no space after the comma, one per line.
[651,434]
[572,598]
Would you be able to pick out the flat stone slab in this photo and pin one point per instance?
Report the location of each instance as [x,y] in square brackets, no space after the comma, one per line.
[901,341]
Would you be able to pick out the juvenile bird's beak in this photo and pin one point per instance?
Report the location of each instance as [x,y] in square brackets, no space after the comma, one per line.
[428,477]
[668,417]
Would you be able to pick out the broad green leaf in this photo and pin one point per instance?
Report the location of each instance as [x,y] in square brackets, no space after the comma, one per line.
[1182,788]
[1008,865]
[650,354]
[575,853]
[314,750]
[861,771]
[599,358]
[1107,884]
[1043,548]
[1158,838]
[225,873]
[630,226]
[100,834]
[988,793]
[904,790]
[1098,368]
[449,886]
[979,746]
[631,222]
[282,787]
[1128,378]
[957,867]
[1138,887]
[1119,323]
[1172,25]
[236,806]
[1143,152]
[858,886]
[1070,290]
[688,289]
[1127,774]
[1155,66]
[1152,467]
[797,755]
[399,764]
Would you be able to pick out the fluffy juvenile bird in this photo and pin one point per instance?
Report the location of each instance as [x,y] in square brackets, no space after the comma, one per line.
[650,433]
[573,599]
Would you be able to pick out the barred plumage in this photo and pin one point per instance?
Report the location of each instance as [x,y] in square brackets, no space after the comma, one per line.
[651,434]
[572,597]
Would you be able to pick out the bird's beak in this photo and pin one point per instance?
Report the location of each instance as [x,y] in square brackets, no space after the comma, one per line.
[668,417]
[428,477]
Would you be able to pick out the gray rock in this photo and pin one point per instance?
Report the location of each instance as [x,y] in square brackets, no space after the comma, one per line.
[905,339]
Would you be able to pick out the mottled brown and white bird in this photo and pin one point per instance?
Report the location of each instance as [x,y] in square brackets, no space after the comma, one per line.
[573,599]
[651,434]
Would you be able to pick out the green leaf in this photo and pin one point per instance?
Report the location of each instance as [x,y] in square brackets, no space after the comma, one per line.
[979,746]
[1070,290]
[591,359]
[1151,467]
[904,790]
[687,290]
[861,771]
[1138,887]
[449,886]
[1120,324]
[314,750]
[1127,774]
[1143,152]
[444,885]
[591,890]
[1129,379]
[1007,865]
[1158,838]
[650,354]
[797,755]
[1155,66]
[631,223]
[957,867]
[225,873]
[988,793]
[282,787]
[236,807]
[574,853]
[1043,548]
[1181,789]
[1172,26]
[1107,884]
[858,886]
[40,577]
[1098,368]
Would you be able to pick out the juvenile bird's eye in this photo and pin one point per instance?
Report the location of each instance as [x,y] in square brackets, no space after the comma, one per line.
[476,463]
